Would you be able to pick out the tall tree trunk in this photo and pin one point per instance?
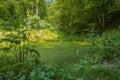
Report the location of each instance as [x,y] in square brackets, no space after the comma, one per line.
[101,18]
[24,9]
[37,9]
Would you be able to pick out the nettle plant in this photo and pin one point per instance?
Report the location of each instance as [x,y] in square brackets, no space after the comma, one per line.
[17,42]
[17,45]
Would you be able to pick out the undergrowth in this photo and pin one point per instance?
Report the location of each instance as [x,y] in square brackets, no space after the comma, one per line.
[82,70]
[94,65]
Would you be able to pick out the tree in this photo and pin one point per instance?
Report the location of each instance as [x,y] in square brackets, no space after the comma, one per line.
[13,13]
[76,15]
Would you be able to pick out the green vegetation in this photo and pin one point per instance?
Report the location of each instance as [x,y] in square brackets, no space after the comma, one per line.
[59,40]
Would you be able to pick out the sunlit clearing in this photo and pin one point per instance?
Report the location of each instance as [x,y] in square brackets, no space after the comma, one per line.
[43,35]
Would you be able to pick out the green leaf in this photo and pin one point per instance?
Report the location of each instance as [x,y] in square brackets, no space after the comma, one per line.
[41,74]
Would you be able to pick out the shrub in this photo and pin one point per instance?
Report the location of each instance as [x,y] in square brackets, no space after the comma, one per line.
[111,41]
[83,70]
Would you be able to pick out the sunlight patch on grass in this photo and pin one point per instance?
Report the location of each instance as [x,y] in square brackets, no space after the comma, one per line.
[83,43]
[45,45]
[52,44]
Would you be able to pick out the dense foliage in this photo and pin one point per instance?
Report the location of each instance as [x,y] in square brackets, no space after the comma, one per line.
[83,70]
[76,16]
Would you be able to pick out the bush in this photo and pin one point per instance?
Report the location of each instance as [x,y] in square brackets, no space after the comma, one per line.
[85,69]
[111,41]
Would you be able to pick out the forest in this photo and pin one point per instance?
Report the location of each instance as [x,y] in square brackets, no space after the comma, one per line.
[59,39]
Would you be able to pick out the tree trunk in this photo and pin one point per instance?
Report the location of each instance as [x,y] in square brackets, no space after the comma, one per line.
[101,18]
[24,8]
[37,9]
